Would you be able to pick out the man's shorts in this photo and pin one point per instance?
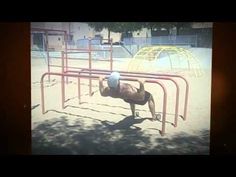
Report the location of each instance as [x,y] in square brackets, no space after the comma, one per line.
[143,102]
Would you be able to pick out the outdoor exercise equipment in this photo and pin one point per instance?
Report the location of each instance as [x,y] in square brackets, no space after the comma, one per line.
[147,55]
[93,74]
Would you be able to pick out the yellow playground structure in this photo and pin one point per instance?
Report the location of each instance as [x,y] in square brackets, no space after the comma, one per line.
[145,60]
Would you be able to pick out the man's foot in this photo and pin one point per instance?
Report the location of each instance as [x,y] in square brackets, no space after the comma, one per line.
[136,115]
[157,117]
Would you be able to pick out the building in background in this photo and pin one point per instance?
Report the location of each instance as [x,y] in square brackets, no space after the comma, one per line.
[79,31]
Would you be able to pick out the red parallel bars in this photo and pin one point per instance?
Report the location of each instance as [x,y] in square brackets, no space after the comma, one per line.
[153,74]
[146,77]
[140,74]
[96,77]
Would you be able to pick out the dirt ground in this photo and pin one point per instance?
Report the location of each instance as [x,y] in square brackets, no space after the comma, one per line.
[103,125]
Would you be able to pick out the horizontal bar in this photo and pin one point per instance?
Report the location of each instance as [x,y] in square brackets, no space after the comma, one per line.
[80,59]
[106,73]
[78,52]
[55,66]
[90,50]
[79,49]
[109,50]
[154,74]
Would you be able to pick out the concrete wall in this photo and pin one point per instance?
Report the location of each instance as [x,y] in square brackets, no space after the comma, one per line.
[81,30]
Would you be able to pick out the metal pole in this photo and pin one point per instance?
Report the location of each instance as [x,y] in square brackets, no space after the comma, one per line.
[79,96]
[196,42]
[48,59]
[177,104]
[164,110]
[90,66]
[65,40]
[111,61]
[62,62]
[186,100]
[62,84]
[42,96]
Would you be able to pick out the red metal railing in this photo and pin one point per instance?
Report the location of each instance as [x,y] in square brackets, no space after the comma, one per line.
[96,77]
[46,32]
[141,74]
[135,76]
[89,51]
[138,74]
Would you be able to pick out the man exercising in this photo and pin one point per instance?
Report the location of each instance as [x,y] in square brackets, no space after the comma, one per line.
[128,93]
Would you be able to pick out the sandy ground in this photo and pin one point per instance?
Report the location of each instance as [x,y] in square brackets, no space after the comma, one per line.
[102,125]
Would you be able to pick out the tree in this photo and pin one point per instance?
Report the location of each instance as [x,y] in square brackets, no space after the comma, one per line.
[168,25]
[159,26]
[180,25]
[117,27]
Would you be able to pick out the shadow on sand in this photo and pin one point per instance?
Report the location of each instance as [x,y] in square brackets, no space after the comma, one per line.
[59,136]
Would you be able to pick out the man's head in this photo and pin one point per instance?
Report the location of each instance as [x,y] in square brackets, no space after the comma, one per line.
[113,80]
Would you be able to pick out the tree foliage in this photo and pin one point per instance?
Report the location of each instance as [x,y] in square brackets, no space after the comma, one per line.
[124,27]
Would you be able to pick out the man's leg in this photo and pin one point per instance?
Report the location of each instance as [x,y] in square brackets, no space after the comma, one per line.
[132,106]
[151,105]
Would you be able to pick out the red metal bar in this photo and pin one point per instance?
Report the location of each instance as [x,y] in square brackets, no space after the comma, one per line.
[65,40]
[90,50]
[82,50]
[69,58]
[111,61]
[146,77]
[77,51]
[63,91]
[155,74]
[62,82]
[66,57]
[42,95]
[62,62]
[102,50]
[59,66]
[56,65]
[90,67]
[79,95]
[96,77]
[87,50]
[48,58]
[163,110]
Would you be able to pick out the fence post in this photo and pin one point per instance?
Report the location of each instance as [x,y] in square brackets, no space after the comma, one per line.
[196,43]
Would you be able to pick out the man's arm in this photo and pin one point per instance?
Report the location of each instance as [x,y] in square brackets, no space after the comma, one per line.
[103,91]
[141,87]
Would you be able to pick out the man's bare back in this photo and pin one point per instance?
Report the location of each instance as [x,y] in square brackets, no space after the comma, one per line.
[128,93]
